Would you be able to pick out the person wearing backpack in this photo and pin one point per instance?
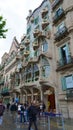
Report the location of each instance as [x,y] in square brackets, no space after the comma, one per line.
[2,108]
[32,115]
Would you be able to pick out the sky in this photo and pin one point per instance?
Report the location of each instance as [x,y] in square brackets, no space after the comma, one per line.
[15,13]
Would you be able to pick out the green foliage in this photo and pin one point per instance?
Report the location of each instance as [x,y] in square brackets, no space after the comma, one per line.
[2,28]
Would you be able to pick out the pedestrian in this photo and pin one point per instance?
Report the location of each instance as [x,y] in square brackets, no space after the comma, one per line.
[2,108]
[22,117]
[13,110]
[26,113]
[42,107]
[32,115]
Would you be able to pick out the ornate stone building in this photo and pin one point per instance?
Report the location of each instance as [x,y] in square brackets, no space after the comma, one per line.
[40,67]
[62,11]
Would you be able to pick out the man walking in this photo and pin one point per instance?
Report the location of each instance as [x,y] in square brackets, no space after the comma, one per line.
[2,108]
[32,112]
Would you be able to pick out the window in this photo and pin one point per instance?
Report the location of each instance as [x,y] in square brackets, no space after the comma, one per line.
[17,78]
[67,82]
[44,46]
[64,53]
[59,11]
[36,20]
[27,48]
[45,67]
[28,30]
[31,73]
[60,26]
[37,27]
[36,53]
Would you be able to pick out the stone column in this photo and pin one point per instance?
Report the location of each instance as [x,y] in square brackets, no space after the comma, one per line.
[25,95]
[42,95]
[56,100]
[21,98]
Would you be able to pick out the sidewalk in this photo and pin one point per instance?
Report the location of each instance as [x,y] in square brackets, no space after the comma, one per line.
[68,123]
[42,123]
[55,123]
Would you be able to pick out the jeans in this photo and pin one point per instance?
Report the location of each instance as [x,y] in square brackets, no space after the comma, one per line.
[1,120]
[22,117]
[30,124]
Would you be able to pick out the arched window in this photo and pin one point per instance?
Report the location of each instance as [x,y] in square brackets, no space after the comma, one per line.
[17,79]
[28,73]
[44,46]
[31,73]
[45,67]
[35,72]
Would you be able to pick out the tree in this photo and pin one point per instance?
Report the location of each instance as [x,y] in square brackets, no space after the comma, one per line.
[2,27]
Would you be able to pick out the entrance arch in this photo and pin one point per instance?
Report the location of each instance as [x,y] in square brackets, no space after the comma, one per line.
[49,97]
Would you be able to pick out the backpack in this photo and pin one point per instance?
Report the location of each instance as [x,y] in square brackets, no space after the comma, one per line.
[1,109]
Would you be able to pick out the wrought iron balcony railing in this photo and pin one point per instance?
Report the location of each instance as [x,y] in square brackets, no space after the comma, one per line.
[61,33]
[55,3]
[63,63]
[45,23]
[58,16]
[69,93]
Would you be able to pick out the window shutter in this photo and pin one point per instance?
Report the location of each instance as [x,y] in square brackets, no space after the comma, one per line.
[63,83]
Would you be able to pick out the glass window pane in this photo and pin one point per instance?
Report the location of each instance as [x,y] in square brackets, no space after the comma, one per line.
[44,46]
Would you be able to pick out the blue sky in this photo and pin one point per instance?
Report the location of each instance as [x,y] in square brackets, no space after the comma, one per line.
[15,13]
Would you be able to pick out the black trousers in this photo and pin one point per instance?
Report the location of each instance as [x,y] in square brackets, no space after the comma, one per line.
[30,124]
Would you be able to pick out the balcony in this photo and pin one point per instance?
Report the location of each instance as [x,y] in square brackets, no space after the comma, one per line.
[5,92]
[36,32]
[44,12]
[32,19]
[55,3]
[42,34]
[61,33]
[35,45]
[63,64]
[45,23]
[26,53]
[58,16]
[33,60]
[69,94]
[42,80]
[21,47]
[27,41]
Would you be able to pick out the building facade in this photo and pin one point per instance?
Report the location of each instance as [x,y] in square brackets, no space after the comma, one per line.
[40,67]
[62,11]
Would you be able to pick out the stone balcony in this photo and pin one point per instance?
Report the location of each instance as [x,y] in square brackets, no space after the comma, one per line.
[44,12]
